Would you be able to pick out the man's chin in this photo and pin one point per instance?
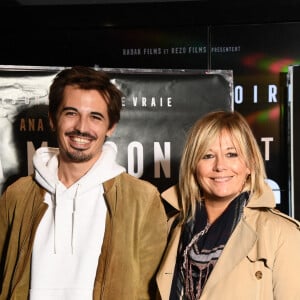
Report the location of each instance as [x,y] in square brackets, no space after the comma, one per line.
[79,156]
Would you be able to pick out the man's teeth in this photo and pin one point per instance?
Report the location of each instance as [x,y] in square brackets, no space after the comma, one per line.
[80,140]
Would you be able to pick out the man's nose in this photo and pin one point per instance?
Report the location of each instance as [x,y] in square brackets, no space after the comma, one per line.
[81,124]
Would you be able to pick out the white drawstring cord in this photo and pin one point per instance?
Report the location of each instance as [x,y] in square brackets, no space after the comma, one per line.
[53,196]
[73,220]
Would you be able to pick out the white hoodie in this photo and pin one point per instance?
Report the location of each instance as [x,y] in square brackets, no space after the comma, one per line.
[69,238]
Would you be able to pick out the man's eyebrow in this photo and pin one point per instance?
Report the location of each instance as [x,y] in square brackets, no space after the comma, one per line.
[69,108]
[97,113]
[75,109]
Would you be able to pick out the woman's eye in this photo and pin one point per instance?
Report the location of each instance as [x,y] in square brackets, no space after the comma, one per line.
[232,154]
[207,156]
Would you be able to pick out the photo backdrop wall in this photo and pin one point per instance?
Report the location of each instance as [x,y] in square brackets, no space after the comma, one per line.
[159,107]
[247,41]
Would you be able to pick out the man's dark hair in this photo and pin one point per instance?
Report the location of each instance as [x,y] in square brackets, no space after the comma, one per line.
[88,79]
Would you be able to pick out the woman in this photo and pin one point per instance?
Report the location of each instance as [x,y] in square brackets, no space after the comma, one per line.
[227,241]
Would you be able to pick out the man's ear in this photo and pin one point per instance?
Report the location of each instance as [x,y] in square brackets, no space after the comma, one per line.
[111,130]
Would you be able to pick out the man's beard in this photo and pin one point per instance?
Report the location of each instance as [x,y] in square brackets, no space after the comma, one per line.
[79,156]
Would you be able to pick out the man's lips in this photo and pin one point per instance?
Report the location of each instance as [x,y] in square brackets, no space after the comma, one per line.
[80,140]
[80,135]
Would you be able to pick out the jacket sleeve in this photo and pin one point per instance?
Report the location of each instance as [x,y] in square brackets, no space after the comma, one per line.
[153,243]
[286,266]
[3,236]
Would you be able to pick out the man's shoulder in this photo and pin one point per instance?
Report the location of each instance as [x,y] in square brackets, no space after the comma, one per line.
[127,177]
[128,181]
[22,185]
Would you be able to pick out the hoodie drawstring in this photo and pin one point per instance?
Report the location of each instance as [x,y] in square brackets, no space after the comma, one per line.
[73,220]
[53,196]
[54,201]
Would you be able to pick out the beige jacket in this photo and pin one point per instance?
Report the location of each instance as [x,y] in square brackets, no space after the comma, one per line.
[261,260]
[134,240]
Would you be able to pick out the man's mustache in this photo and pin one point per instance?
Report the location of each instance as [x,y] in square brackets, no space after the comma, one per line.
[80,134]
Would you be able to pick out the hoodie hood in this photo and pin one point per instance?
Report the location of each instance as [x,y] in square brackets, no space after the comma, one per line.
[45,163]
[68,203]
[71,231]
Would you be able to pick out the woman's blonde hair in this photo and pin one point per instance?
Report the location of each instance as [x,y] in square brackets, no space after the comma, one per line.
[199,138]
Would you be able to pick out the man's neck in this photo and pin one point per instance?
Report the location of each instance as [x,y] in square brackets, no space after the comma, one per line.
[70,172]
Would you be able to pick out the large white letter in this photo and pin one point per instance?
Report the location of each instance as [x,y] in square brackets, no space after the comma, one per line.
[276,189]
[162,159]
[267,141]
[255,94]
[135,149]
[238,94]
[272,93]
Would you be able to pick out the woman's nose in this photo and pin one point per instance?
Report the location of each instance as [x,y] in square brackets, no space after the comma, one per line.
[220,164]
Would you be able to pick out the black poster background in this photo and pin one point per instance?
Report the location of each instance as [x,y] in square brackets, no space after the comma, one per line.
[294,122]
[260,77]
[159,106]
[259,58]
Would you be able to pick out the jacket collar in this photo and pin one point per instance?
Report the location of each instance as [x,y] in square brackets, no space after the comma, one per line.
[171,196]
[267,199]
[110,188]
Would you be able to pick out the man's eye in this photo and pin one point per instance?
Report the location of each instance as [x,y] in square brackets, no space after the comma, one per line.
[70,113]
[95,117]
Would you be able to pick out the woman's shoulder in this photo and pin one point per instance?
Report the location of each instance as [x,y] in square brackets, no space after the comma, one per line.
[275,222]
[284,219]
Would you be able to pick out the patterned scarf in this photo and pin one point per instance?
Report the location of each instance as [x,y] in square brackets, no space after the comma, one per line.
[201,245]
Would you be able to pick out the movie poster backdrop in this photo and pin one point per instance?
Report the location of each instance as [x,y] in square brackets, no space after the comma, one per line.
[159,107]
[259,58]
[257,55]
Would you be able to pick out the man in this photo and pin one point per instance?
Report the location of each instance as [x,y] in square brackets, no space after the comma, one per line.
[80,227]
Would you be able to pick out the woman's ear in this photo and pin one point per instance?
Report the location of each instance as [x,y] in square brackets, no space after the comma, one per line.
[248,171]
